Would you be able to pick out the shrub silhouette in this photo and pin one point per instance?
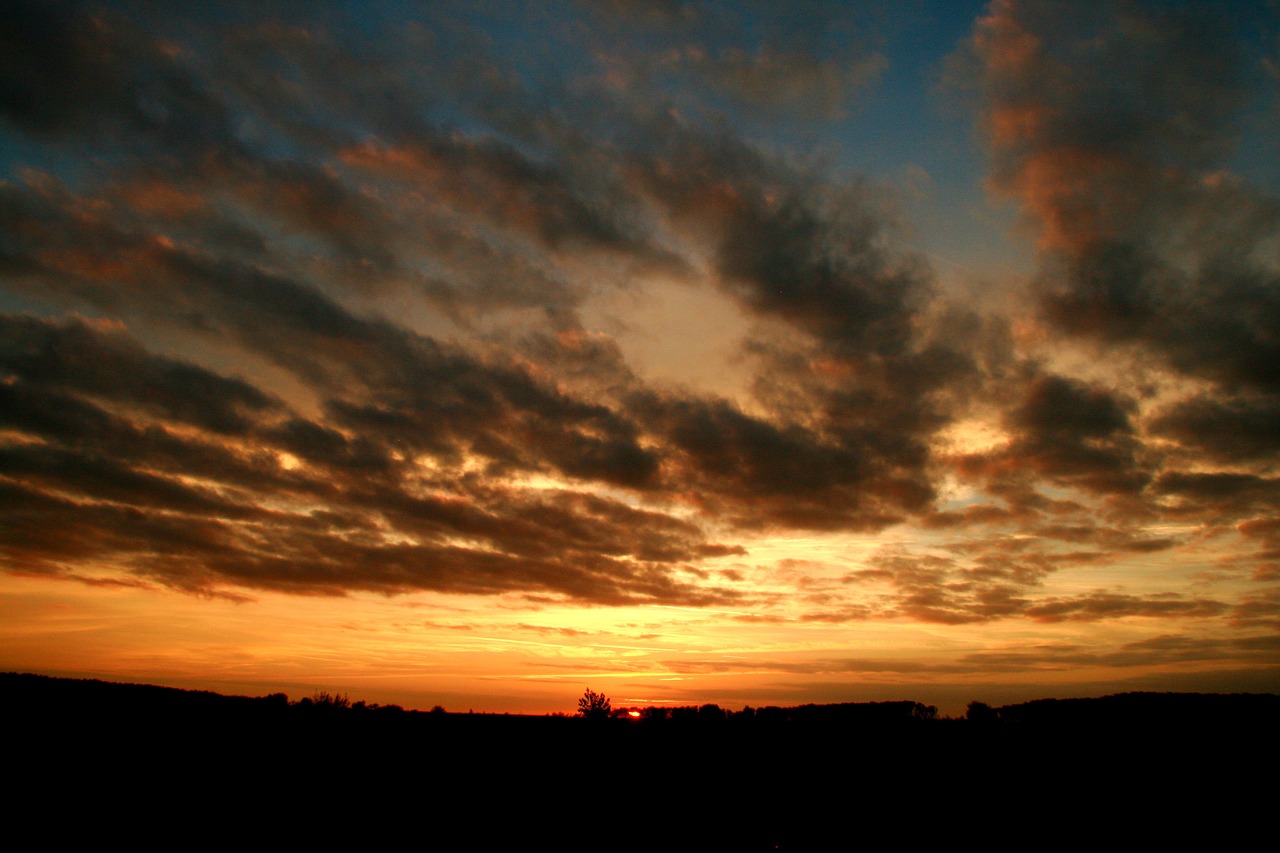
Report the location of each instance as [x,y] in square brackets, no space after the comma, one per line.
[594,706]
[336,701]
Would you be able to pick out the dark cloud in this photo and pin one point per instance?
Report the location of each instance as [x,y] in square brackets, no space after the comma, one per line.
[1266,532]
[1237,430]
[813,259]
[940,589]
[190,538]
[787,244]
[756,473]
[438,395]
[74,68]
[499,184]
[783,257]
[1113,128]
[76,357]
[402,228]
[1104,605]
[1160,650]
[1066,432]
[1260,610]
[857,385]
[1220,497]
[1004,576]
[105,462]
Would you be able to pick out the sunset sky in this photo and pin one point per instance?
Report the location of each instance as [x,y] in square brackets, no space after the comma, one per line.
[477,353]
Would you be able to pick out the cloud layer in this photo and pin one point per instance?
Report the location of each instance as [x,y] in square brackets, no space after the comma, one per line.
[328,303]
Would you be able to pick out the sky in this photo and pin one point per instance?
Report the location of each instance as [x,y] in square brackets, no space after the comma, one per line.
[478,353]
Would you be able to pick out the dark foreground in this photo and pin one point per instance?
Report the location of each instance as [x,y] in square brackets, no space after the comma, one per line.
[147,765]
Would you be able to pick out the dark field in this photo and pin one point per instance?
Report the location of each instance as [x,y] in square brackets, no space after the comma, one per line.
[89,759]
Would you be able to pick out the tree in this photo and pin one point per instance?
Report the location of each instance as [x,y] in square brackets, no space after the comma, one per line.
[653,713]
[981,712]
[594,706]
[924,712]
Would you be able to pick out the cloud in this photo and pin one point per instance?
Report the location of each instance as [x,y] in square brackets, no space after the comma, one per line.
[1262,610]
[74,68]
[301,305]
[1155,651]
[1112,128]
[809,63]
[111,463]
[1221,496]
[1234,430]
[791,250]
[759,474]
[1006,575]
[1104,605]
[1059,432]
[78,358]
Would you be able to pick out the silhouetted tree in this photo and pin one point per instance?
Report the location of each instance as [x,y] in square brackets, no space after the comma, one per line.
[594,706]
[684,714]
[924,712]
[981,712]
[654,714]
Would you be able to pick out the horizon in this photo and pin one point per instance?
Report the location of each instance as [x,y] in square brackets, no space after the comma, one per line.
[474,354]
[619,711]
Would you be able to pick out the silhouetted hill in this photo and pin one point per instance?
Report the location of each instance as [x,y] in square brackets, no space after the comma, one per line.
[1135,711]
[1138,768]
